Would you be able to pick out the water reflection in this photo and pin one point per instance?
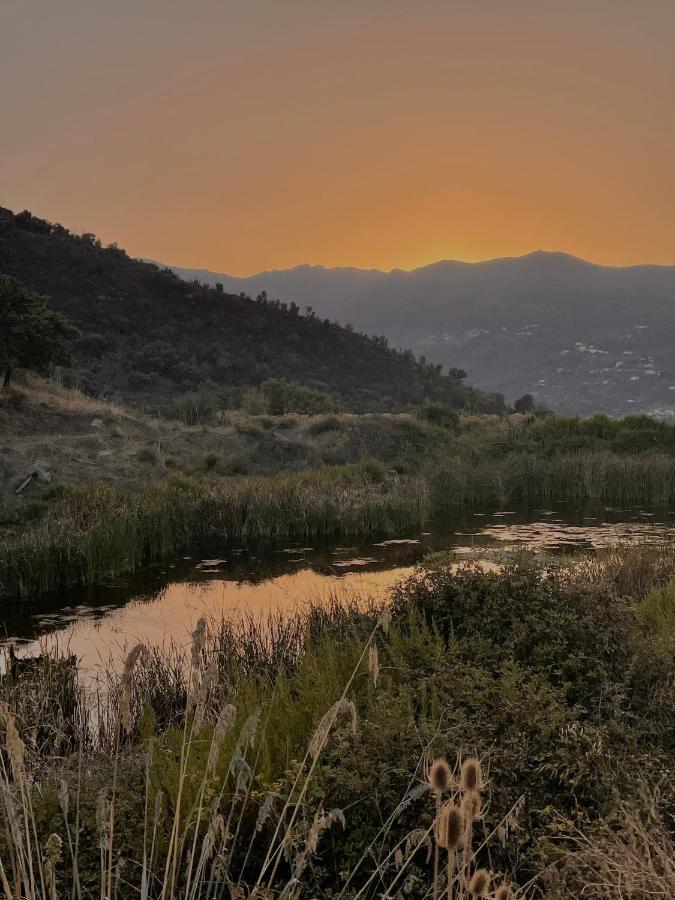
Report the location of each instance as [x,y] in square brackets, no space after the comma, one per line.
[162,603]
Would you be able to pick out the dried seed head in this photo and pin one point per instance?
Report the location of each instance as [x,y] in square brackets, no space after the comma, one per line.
[202,696]
[242,772]
[103,819]
[215,829]
[265,810]
[248,732]
[384,620]
[220,732]
[133,656]
[416,839]
[16,749]
[479,883]
[136,653]
[53,848]
[198,641]
[159,797]
[320,736]
[439,776]
[504,892]
[472,805]
[374,663]
[125,709]
[450,827]
[321,822]
[64,797]
[471,778]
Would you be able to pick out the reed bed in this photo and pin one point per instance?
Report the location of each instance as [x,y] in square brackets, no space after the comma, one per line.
[99,533]
[578,478]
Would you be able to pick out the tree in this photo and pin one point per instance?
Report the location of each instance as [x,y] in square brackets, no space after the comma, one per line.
[32,336]
[524,404]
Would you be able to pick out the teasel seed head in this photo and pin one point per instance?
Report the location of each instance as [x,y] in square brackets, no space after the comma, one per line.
[479,883]
[450,827]
[471,777]
[472,805]
[439,776]
[455,827]
[504,892]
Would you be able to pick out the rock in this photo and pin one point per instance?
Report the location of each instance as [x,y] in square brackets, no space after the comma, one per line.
[97,423]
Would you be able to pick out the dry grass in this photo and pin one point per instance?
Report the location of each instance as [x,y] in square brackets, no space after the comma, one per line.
[622,861]
[43,392]
[205,815]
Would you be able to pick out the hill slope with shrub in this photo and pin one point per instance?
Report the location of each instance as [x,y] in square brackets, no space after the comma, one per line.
[147,334]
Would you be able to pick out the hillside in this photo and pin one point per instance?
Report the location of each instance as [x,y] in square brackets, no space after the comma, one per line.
[580,337]
[147,335]
[67,440]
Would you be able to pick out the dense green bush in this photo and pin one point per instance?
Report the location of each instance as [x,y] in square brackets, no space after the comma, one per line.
[284,397]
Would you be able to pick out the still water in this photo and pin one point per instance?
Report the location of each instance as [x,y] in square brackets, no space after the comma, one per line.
[161,604]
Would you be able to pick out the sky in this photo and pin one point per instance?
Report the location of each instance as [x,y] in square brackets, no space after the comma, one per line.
[241,135]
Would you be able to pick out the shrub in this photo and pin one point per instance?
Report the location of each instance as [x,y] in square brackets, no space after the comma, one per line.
[147,455]
[287,396]
[436,414]
[327,423]
[247,427]
[657,611]
[211,461]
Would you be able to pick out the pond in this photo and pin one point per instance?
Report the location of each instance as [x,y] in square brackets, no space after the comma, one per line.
[162,603]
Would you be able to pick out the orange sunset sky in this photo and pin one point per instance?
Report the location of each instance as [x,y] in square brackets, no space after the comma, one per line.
[261,134]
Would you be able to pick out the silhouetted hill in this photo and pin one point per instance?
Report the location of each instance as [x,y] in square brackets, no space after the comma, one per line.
[579,336]
[147,333]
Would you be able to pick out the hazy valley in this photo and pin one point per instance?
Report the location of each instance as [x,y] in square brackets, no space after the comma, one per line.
[581,338]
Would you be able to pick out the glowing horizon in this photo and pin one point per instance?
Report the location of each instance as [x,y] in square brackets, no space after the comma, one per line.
[239,137]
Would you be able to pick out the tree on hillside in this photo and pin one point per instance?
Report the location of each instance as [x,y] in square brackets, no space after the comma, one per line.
[524,404]
[31,334]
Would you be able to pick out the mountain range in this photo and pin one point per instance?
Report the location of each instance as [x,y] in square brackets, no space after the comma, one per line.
[580,337]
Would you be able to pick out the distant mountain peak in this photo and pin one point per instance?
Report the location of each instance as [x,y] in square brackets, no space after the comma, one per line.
[547,322]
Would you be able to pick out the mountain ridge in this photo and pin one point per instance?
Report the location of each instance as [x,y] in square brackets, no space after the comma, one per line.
[540,323]
[448,261]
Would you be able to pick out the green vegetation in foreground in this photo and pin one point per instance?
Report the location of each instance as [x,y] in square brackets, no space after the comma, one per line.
[559,683]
